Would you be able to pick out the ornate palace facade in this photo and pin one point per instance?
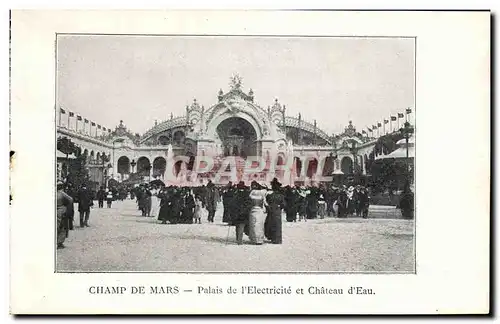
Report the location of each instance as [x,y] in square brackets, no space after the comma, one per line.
[235,126]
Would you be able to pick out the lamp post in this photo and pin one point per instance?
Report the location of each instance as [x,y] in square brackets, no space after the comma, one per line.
[354,150]
[149,167]
[334,156]
[406,131]
[133,164]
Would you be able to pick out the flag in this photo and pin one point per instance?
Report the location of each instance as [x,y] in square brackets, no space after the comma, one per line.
[369,129]
[379,124]
[93,124]
[393,118]
[386,121]
[71,114]
[86,121]
[408,110]
[364,132]
[400,115]
[79,117]
[104,128]
[374,127]
[62,111]
[109,130]
[98,126]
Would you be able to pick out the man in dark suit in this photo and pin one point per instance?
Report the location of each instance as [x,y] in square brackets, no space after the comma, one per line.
[211,201]
[85,201]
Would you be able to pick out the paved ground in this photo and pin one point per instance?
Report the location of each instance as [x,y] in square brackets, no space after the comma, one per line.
[119,239]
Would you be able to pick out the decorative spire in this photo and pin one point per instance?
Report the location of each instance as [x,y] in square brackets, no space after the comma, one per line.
[156,122]
[221,95]
[236,81]
[171,116]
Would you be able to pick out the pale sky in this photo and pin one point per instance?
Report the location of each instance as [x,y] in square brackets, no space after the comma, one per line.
[143,78]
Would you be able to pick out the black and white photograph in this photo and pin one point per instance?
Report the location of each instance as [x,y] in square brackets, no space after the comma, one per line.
[262,162]
[221,153]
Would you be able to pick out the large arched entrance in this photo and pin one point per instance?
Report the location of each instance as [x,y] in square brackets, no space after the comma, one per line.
[346,165]
[123,165]
[159,167]
[329,166]
[298,166]
[312,167]
[238,137]
[143,166]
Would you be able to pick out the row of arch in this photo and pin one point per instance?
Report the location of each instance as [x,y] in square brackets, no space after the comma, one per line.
[143,166]
[177,138]
[91,156]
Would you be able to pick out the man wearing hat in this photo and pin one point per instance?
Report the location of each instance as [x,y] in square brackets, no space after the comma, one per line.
[64,214]
[211,202]
[85,201]
[227,201]
[243,205]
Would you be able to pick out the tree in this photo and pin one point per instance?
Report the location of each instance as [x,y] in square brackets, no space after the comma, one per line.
[66,146]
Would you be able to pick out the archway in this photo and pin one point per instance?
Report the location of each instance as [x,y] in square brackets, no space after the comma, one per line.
[280,161]
[312,167]
[238,137]
[179,137]
[98,157]
[298,166]
[163,140]
[346,165]
[123,165]
[329,166]
[159,167]
[143,166]
[177,167]
[192,159]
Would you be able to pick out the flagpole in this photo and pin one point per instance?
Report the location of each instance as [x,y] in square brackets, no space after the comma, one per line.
[399,127]
[406,114]
[384,126]
[59,117]
[390,125]
[68,121]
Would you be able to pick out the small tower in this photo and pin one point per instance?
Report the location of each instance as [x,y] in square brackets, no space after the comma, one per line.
[221,94]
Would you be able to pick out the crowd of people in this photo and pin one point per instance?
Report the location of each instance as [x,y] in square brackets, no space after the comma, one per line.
[254,210]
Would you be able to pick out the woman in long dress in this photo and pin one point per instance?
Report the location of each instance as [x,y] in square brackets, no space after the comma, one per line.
[257,216]
[275,201]
[155,203]
[199,211]
[163,214]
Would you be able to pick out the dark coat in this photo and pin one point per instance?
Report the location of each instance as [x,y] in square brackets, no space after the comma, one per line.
[85,200]
[211,198]
[242,207]
[273,224]
[101,195]
[229,205]
[188,209]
